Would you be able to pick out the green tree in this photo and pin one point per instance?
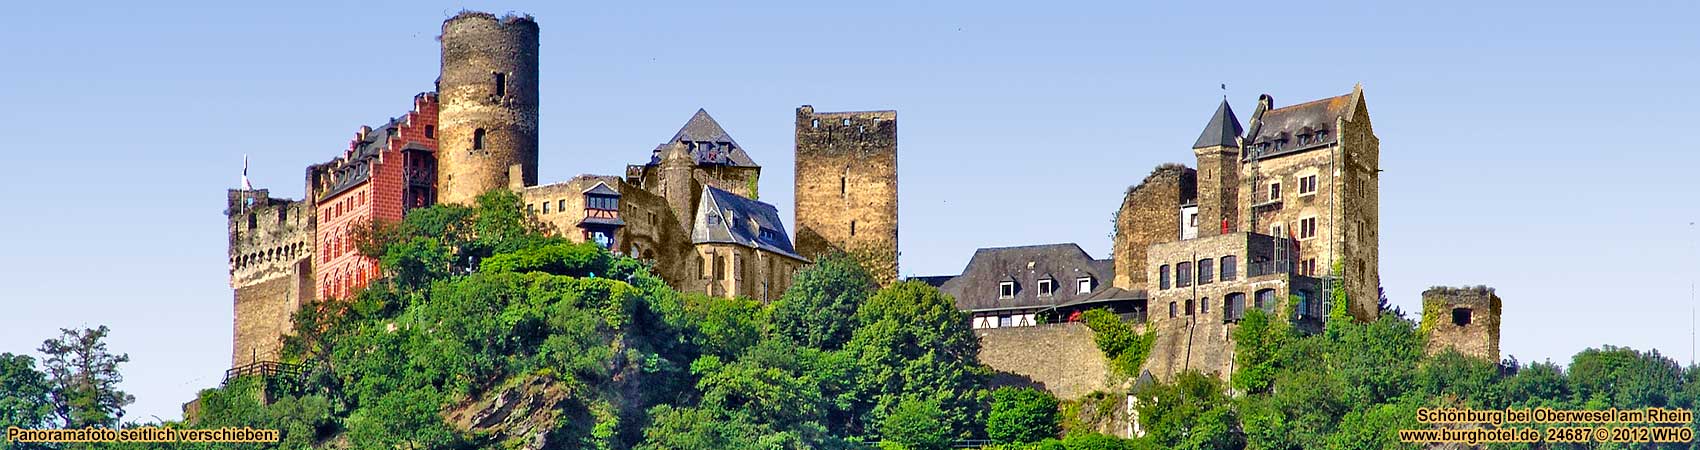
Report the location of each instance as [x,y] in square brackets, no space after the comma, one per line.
[1257,344]
[25,396]
[916,424]
[1191,413]
[1122,345]
[85,378]
[913,343]
[1021,415]
[812,311]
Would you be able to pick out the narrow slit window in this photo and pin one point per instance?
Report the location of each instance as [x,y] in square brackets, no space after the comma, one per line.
[501,84]
[478,139]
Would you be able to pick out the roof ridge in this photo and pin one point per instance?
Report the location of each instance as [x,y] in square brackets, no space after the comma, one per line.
[1320,100]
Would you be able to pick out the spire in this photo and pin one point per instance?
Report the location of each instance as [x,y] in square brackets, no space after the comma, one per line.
[1223,130]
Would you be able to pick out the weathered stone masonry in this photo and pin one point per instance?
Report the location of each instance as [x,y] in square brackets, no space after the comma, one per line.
[488,89]
[846,187]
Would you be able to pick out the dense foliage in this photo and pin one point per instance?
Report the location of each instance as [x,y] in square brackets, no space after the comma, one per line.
[478,304]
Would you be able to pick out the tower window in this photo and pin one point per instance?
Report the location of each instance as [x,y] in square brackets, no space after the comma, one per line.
[501,84]
[846,121]
[814,123]
[478,139]
[1460,316]
[430,132]
[852,228]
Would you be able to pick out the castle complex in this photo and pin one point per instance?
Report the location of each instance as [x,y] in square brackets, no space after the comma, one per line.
[1280,214]
[690,209]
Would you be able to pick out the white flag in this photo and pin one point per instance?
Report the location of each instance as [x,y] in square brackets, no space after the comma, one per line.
[246,186]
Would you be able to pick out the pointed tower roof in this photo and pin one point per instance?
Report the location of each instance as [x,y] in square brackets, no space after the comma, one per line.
[1223,130]
[709,143]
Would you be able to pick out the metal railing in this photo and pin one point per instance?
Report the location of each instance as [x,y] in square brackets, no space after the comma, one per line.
[268,370]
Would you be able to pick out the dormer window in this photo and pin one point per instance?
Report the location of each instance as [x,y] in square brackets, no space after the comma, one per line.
[1085,285]
[1047,287]
[602,202]
[1006,289]
[1321,135]
[1304,139]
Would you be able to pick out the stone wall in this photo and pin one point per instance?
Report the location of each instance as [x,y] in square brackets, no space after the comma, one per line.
[1060,358]
[488,86]
[1218,189]
[271,255]
[846,187]
[1466,319]
[731,270]
[652,230]
[1150,214]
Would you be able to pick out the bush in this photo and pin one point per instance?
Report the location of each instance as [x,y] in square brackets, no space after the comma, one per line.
[1021,415]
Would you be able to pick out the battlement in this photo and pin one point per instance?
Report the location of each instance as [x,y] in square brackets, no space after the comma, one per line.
[509,19]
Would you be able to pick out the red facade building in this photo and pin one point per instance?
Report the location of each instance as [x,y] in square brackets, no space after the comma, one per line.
[385,172]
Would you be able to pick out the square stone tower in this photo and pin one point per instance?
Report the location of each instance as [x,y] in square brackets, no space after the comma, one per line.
[1466,319]
[846,198]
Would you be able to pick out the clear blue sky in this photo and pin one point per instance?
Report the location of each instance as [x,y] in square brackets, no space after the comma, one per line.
[1540,148]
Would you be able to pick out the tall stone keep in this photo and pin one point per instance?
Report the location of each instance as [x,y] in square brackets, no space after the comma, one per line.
[487,117]
[1218,152]
[846,198]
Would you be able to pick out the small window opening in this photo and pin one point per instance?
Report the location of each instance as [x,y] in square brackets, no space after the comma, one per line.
[814,123]
[1006,289]
[501,84]
[478,139]
[430,131]
[852,228]
[1460,316]
[846,121]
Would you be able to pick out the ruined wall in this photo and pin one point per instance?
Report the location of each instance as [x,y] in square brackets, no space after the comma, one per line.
[1149,215]
[489,85]
[1060,358]
[271,269]
[846,187]
[1466,319]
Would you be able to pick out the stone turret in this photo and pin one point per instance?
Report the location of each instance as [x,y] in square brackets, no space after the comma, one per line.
[488,111]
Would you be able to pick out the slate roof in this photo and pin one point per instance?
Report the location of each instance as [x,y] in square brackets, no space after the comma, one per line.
[1223,129]
[725,217]
[708,142]
[934,280]
[977,287]
[1288,122]
[355,167]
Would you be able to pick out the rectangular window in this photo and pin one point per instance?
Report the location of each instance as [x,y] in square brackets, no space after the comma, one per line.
[1006,289]
[1274,191]
[1307,185]
[1307,228]
[501,84]
[561,205]
[1230,268]
[1163,277]
[1183,274]
[1045,288]
[1171,310]
[1204,305]
[545,207]
[1005,321]
[1085,285]
[1204,270]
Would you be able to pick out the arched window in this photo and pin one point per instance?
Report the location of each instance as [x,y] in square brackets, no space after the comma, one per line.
[1230,268]
[1233,306]
[1172,310]
[1189,306]
[1265,300]
[478,139]
[1204,305]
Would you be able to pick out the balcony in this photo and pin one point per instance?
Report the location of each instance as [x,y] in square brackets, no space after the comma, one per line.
[1260,268]
[419,177]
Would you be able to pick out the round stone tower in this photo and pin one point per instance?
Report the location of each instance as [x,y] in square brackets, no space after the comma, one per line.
[487,116]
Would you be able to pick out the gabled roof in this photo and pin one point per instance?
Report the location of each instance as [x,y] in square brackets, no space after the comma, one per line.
[1223,129]
[1289,122]
[355,166]
[708,143]
[602,189]
[725,217]
[977,287]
